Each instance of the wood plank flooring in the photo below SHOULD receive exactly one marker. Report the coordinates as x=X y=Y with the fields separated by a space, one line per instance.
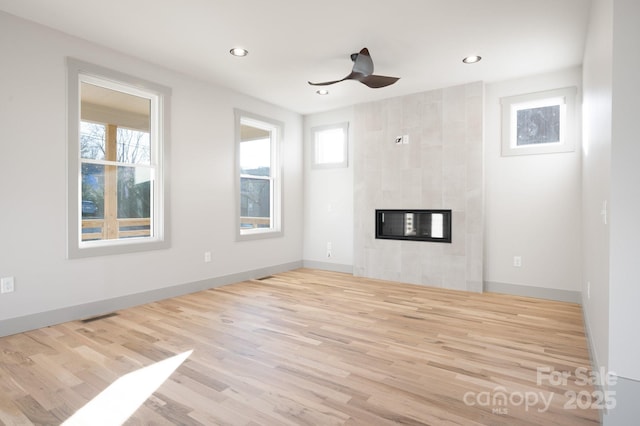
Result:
x=310 y=347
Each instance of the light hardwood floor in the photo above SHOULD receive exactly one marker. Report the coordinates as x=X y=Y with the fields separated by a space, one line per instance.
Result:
x=310 y=347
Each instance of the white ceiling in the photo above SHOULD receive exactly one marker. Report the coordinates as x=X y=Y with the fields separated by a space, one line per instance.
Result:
x=293 y=41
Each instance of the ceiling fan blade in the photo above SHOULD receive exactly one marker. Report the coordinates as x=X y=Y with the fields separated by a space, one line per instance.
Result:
x=378 y=81
x=352 y=76
x=326 y=83
x=362 y=63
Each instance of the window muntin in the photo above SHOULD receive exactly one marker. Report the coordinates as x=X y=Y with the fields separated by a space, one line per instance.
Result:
x=329 y=146
x=116 y=144
x=539 y=123
x=259 y=204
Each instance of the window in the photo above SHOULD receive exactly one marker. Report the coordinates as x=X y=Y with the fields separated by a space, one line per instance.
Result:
x=329 y=146
x=117 y=138
x=539 y=123
x=259 y=186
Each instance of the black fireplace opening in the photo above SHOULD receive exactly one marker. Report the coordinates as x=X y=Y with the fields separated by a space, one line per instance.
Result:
x=415 y=225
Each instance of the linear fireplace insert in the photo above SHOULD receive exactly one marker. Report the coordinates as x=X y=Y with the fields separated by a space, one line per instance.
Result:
x=417 y=225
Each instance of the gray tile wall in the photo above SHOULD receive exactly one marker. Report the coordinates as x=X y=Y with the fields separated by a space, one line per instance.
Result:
x=440 y=168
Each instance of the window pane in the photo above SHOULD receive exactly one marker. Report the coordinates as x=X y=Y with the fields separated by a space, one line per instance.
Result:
x=538 y=125
x=134 y=202
x=92 y=203
x=134 y=192
x=255 y=203
x=133 y=206
x=134 y=146
x=255 y=157
x=330 y=146
x=92 y=140
x=92 y=191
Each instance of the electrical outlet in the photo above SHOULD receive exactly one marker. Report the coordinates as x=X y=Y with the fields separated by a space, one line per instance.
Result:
x=329 y=249
x=6 y=285
x=517 y=261
x=207 y=256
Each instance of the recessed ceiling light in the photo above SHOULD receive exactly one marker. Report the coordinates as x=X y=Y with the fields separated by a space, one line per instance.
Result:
x=239 y=51
x=472 y=59
x=322 y=92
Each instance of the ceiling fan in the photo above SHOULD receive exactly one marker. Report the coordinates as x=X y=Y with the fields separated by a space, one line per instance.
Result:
x=363 y=72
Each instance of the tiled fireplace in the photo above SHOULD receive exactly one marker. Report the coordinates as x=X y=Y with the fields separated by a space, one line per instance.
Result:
x=440 y=168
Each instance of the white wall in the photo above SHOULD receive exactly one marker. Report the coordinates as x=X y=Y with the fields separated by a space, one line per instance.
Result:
x=597 y=81
x=328 y=207
x=611 y=174
x=532 y=202
x=624 y=287
x=201 y=181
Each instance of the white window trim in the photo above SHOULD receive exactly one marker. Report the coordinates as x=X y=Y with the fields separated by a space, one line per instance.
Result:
x=565 y=97
x=276 y=211
x=314 y=140
x=78 y=71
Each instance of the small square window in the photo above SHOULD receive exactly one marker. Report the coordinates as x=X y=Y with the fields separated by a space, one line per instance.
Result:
x=539 y=123
x=329 y=146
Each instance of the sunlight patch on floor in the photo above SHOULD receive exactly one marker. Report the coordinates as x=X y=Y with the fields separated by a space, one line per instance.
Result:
x=115 y=404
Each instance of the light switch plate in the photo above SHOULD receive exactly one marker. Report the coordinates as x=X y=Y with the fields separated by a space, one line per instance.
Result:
x=6 y=285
